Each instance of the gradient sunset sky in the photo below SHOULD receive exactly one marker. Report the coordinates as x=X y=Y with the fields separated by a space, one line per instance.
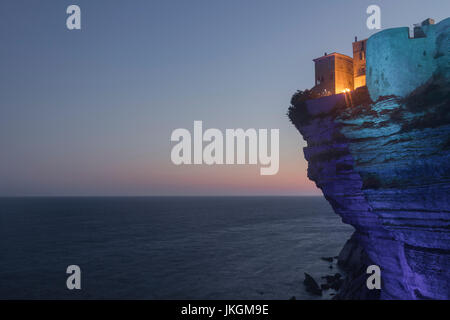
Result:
x=91 y=112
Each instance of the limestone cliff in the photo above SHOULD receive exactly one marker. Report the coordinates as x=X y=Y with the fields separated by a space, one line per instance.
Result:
x=381 y=156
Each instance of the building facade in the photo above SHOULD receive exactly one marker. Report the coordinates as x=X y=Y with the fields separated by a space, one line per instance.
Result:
x=393 y=57
x=359 y=63
x=334 y=74
x=397 y=63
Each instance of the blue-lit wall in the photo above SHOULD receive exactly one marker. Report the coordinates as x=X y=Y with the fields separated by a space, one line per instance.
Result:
x=398 y=64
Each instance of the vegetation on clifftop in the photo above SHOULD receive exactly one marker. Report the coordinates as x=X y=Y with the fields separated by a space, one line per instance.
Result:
x=297 y=112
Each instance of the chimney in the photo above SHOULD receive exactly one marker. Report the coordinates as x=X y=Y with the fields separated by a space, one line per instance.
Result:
x=356 y=39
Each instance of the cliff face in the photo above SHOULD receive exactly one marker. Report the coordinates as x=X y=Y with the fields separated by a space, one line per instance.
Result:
x=384 y=166
x=385 y=169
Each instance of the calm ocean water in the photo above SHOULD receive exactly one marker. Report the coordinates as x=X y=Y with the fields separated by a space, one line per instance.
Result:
x=166 y=247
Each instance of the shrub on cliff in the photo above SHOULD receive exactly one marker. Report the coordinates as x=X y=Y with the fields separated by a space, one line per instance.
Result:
x=301 y=96
x=432 y=92
x=433 y=98
x=297 y=112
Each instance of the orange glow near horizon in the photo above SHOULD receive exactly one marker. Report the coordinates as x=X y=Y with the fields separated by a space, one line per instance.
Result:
x=214 y=180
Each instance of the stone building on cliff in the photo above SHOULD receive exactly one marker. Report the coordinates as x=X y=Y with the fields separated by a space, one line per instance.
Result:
x=334 y=74
x=398 y=63
x=383 y=59
x=359 y=63
x=337 y=73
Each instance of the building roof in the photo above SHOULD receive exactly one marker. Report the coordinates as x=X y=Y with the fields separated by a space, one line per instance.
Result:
x=334 y=54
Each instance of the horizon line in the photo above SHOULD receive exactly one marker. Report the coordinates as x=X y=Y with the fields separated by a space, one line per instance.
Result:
x=160 y=196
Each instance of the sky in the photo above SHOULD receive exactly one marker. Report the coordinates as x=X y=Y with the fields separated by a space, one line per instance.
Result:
x=91 y=112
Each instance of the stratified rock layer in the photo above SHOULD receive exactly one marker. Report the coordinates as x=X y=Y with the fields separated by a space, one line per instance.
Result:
x=384 y=167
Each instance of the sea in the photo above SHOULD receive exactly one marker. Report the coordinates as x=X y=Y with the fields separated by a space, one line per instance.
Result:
x=167 y=247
